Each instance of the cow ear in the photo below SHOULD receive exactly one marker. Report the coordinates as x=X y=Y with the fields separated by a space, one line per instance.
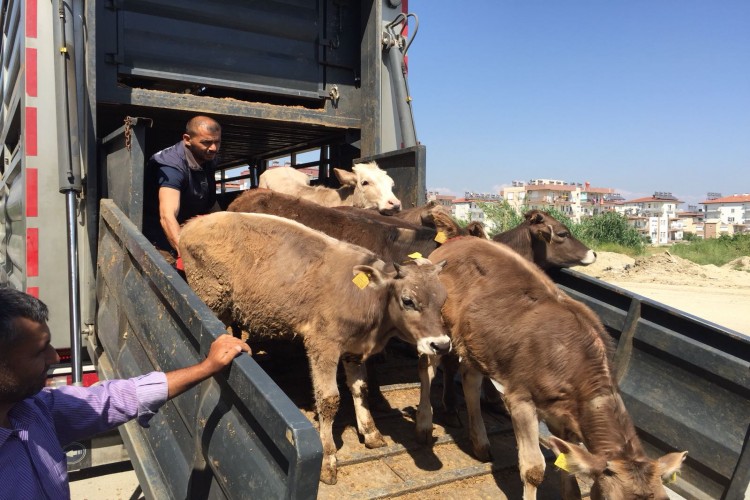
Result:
x=345 y=177
x=669 y=465
x=446 y=224
x=440 y=265
x=534 y=217
x=476 y=229
x=575 y=459
x=375 y=278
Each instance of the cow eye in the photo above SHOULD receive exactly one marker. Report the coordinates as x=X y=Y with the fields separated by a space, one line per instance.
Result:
x=365 y=183
x=564 y=234
x=408 y=303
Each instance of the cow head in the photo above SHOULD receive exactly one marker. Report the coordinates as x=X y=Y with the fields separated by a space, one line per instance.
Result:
x=554 y=245
x=630 y=476
x=415 y=299
x=451 y=229
x=373 y=188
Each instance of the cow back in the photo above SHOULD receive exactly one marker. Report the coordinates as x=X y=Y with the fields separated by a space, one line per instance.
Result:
x=391 y=239
x=513 y=322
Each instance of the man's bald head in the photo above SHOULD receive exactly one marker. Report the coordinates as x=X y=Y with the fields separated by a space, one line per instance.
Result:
x=200 y=123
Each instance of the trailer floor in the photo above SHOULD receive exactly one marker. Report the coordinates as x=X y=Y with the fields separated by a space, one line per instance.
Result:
x=404 y=468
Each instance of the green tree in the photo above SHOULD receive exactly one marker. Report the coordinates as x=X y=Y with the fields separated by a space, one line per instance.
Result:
x=503 y=215
x=611 y=227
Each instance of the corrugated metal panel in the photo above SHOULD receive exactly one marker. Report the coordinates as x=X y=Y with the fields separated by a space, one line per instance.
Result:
x=262 y=46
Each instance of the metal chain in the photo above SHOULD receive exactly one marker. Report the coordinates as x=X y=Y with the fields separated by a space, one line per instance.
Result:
x=127 y=132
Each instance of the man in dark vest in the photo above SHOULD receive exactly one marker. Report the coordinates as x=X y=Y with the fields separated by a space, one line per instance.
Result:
x=180 y=184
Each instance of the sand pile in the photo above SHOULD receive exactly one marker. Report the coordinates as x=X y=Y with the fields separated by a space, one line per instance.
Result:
x=668 y=269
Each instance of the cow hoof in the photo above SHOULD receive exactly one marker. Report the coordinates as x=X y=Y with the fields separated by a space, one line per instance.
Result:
x=328 y=474
x=374 y=440
x=425 y=436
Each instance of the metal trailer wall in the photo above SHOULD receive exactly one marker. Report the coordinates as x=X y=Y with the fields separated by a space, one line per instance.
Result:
x=33 y=211
x=280 y=77
x=685 y=382
x=237 y=436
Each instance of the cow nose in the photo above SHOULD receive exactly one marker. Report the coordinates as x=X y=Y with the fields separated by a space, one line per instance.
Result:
x=441 y=346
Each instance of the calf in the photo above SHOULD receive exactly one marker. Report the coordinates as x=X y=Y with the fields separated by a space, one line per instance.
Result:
x=366 y=186
x=275 y=277
x=391 y=239
x=550 y=354
x=546 y=241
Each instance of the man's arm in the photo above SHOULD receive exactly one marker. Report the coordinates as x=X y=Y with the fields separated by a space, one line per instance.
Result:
x=169 y=207
x=223 y=350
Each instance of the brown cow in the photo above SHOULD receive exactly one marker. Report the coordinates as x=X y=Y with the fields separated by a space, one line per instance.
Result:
x=551 y=355
x=276 y=277
x=389 y=238
x=366 y=186
x=547 y=242
x=422 y=214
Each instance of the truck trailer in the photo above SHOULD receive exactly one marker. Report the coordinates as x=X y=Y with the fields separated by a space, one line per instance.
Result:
x=90 y=90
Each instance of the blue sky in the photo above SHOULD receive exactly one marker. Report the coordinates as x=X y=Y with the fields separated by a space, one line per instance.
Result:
x=637 y=95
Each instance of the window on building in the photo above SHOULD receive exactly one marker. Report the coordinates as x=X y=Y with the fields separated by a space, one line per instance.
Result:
x=730 y=219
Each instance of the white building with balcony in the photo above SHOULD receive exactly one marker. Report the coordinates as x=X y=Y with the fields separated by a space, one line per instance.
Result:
x=729 y=210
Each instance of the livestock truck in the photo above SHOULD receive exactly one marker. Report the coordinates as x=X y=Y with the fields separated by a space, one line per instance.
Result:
x=91 y=89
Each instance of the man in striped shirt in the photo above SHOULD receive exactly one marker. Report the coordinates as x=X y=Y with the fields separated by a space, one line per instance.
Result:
x=35 y=422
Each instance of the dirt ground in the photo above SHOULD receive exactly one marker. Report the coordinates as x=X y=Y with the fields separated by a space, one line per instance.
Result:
x=717 y=294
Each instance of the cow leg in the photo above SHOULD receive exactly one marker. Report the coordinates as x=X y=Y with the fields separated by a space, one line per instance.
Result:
x=472 y=383
x=375 y=395
x=323 y=373
x=450 y=405
x=355 y=379
x=427 y=366
x=526 y=428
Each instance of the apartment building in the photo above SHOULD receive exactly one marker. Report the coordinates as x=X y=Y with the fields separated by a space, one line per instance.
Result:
x=655 y=217
x=729 y=214
x=469 y=208
x=576 y=200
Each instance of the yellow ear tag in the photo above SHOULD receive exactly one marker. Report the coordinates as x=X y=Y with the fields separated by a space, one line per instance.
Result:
x=415 y=255
x=673 y=477
x=440 y=237
x=361 y=280
x=562 y=462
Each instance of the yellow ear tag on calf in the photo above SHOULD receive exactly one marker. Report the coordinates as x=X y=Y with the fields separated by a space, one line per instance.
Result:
x=440 y=237
x=672 y=478
x=361 y=280
x=562 y=462
x=415 y=255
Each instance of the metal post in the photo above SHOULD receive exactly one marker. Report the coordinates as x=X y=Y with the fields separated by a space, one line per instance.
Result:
x=69 y=168
x=395 y=64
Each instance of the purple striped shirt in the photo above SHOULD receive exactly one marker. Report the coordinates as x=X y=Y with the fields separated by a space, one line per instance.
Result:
x=32 y=461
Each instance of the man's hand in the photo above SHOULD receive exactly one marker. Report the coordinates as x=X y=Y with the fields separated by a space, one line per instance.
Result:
x=223 y=350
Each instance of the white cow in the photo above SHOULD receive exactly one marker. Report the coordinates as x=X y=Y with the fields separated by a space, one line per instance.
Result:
x=366 y=186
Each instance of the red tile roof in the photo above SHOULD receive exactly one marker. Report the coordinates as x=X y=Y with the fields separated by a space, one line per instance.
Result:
x=735 y=198
x=652 y=199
